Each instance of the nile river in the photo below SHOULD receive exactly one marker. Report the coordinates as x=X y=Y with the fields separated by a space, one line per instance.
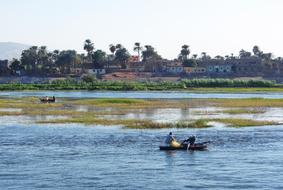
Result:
x=73 y=156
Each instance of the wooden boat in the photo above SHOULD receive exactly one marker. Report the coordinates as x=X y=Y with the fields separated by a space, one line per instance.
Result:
x=47 y=99
x=196 y=146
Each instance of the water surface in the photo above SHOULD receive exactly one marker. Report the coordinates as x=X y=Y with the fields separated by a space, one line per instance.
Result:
x=79 y=157
x=139 y=94
x=72 y=156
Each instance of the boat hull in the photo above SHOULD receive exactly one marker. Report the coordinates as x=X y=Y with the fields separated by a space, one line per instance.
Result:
x=45 y=100
x=199 y=146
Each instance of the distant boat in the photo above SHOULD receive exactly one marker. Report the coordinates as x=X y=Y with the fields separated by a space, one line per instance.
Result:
x=47 y=99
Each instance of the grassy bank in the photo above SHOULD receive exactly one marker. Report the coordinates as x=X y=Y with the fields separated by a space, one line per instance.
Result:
x=243 y=122
x=214 y=85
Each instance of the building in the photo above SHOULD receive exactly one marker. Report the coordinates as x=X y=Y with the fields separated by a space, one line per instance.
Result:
x=76 y=71
x=134 y=58
x=135 y=66
x=173 y=67
x=195 y=70
x=96 y=71
x=250 y=66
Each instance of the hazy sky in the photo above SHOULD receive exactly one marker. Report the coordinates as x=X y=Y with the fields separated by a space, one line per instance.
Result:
x=214 y=26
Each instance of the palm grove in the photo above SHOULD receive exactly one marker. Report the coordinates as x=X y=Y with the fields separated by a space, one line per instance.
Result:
x=38 y=61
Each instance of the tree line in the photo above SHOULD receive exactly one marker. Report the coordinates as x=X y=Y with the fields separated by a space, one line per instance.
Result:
x=39 y=61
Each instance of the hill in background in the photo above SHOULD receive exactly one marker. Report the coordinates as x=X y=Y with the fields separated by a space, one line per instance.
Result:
x=10 y=50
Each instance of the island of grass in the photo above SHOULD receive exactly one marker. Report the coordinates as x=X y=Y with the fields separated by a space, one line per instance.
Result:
x=97 y=109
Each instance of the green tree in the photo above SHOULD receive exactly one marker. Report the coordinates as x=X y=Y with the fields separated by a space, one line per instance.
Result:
x=257 y=51
x=219 y=57
x=15 y=65
x=67 y=59
x=44 y=60
x=149 y=53
x=112 y=48
x=204 y=56
x=99 y=58
x=243 y=53
x=29 y=60
x=266 y=56
x=121 y=55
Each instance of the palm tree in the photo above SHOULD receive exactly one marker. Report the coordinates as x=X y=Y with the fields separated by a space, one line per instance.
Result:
x=257 y=51
x=185 y=52
x=138 y=48
x=119 y=46
x=89 y=47
x=244 y=53
x=219 y=57
x=203 y=55
x=112 y=48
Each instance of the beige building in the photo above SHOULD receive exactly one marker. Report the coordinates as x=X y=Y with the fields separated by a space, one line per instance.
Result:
x=194 y=70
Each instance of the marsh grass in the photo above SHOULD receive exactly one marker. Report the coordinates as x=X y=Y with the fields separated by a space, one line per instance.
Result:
x=236 y=90
x=243 y=122
x=250 y=102
x=119 y=106
x=243 y=111
x=129 y=123
x=133 y=103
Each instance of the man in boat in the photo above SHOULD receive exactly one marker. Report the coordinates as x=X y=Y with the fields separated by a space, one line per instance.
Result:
x=191 y=140
x=171 y=141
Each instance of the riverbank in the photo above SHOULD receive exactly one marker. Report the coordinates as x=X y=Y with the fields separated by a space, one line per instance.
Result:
x=195 y=85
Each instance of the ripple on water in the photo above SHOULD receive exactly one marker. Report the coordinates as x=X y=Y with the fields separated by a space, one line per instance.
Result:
x=78 y=157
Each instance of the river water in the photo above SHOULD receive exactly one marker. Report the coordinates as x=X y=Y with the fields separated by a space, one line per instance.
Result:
x=74 y=156
x=138 y=94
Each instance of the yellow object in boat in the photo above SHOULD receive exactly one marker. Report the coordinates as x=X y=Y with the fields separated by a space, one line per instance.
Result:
x=175 y=144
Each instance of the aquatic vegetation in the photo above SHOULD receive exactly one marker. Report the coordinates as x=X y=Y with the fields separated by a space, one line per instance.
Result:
x=227 y=83
x=248 y=103
x=108 y=101
x=97 y=110
x=243 y=122
x=243 y=111
x=128 y=103
x=181 y=124
x=130 y=123
x=186 y=84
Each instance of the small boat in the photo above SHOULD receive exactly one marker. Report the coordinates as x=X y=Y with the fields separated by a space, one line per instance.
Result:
x=196 y=146
x=47 y=99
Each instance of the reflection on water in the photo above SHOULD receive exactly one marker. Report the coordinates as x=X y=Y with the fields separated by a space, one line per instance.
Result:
x=10 y=109
x=175 y=114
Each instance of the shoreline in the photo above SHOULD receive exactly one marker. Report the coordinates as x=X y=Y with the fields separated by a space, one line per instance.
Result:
x=239 y=90
x=216 y=85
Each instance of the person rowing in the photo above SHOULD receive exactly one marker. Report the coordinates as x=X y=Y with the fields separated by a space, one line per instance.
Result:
x=191 y=140
x=171 y=141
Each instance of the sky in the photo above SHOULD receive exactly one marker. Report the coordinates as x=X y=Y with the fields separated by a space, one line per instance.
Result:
x=218 y=27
